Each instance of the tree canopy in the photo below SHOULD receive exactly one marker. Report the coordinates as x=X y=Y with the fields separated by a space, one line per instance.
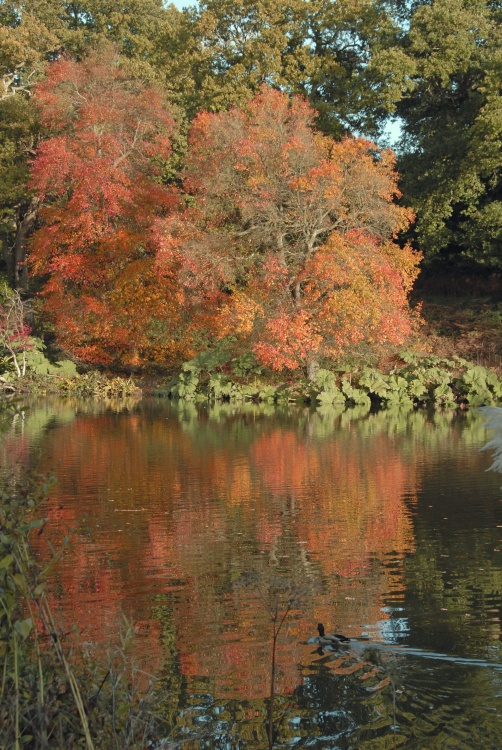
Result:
x=290 y=236
x=435 y=66
x=324 y=51
x=278 y=236
x=452 y=115
x=98 y=178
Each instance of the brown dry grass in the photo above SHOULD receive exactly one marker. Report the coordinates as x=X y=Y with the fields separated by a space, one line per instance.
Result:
x=463 y=316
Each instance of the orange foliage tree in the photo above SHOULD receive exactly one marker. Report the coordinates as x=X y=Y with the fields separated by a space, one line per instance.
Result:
x=291 y=235
x=99 y=178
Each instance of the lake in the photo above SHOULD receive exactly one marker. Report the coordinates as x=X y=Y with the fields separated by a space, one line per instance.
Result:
x=195 y=521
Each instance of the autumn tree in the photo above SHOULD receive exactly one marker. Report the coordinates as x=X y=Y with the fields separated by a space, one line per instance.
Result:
x=32 y=32
x=290 y=237
x=99 y=178
x=435 y=64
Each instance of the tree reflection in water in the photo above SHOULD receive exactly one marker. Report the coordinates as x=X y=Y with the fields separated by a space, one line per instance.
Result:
x=388 y=521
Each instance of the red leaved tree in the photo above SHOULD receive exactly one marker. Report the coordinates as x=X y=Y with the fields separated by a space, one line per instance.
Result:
x=98 y=176
x=291 y=235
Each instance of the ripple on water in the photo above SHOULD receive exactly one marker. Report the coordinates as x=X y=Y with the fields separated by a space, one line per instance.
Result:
x=186 y=520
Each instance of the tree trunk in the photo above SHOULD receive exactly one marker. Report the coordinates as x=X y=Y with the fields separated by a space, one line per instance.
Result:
x=7 y=256
x=312 y=368
x=25 y=221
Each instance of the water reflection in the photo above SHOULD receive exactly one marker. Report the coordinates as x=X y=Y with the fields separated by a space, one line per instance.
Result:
x=388 y=523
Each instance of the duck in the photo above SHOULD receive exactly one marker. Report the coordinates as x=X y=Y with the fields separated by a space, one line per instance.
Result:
x=335 y=636
x=331 y=642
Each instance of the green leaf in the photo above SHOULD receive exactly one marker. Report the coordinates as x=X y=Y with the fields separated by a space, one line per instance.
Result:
x=325 y=379
x=409 y=357
x=23 y=627
x=6 y=561
x=37 y=523
x=417 y=388
x=330 y=396
x=20 y=581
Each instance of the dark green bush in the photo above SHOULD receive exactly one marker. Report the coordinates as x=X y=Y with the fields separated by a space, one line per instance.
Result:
x=417 y=380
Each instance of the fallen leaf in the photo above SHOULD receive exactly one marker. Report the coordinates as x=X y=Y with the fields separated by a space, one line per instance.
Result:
x=349 y=670
x=383 y=683
x=372 y=673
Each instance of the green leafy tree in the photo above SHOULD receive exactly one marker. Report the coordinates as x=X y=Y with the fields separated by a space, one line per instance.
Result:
x=336 y=55
x=28 y=35
x=452 y=114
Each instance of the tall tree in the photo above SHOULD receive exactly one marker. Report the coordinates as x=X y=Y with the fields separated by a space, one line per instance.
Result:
x=338 y=55
x=452 y=117
x=290 y=237
x=27 y=36
x=98 y=177
x=33 y=32
x=132 y=26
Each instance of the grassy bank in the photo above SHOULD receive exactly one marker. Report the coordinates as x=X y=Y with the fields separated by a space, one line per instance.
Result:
x=456 y=360
x=409 y=380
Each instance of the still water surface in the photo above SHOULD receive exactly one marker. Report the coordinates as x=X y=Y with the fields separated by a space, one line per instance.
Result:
x=187 y=519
